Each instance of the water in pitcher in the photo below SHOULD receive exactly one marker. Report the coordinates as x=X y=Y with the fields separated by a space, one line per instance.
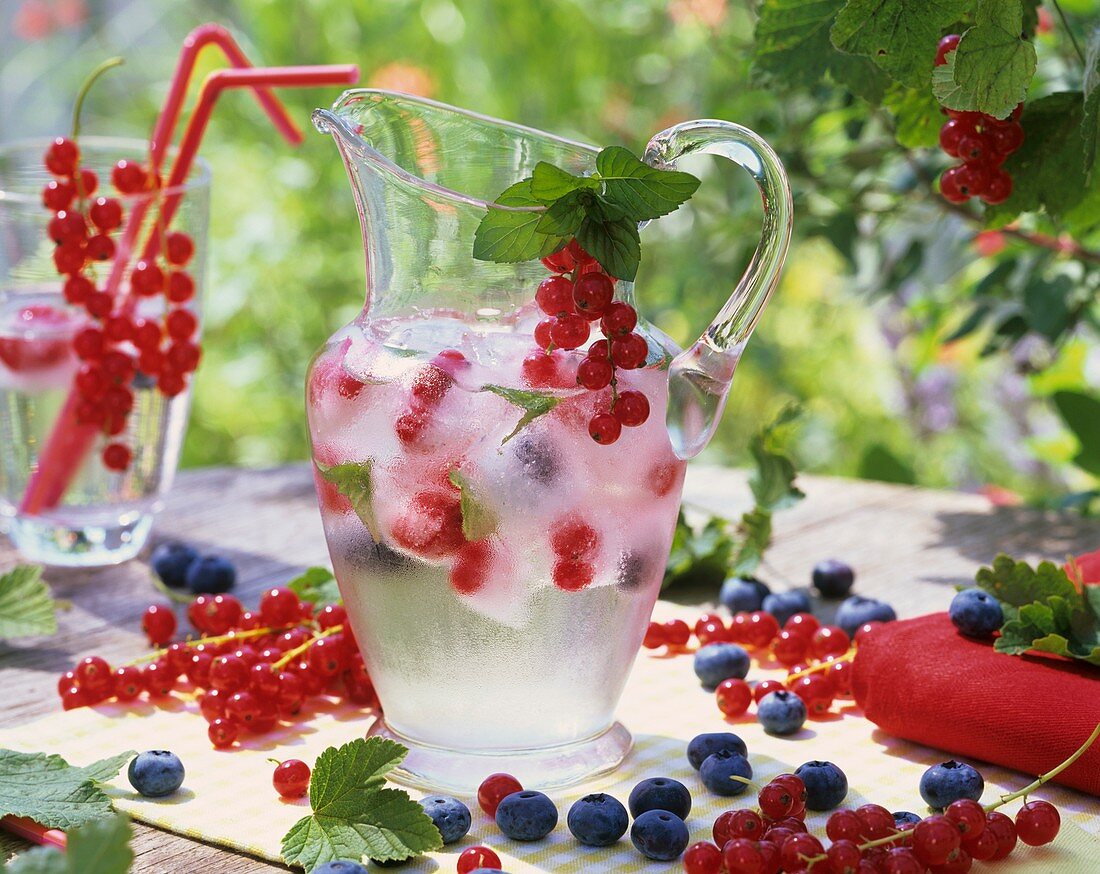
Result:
x=565 y=542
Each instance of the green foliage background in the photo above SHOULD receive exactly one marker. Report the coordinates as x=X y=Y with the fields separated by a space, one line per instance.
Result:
x=881 y=274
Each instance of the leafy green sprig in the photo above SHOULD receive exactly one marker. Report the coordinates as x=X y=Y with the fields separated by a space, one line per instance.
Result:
x=602 y=211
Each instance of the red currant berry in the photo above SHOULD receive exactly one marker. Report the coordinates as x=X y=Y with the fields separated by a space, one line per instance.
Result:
x=100 y=247
x=69 y=257
x=243 y=708
x=632 y=408
x=999 y=187
x=330 y=616
x=159 y=624
x=147 y=334
x=327 y=656
x=90 y=381
x=877 y=821
x=733 y=696
x=949 y=186
x=539 y=370
x=629 y=352
x=67 y=226
x=198 y=671
x=595 y=373
x=948 y=44
x=804 y=624
x=677 y=632
x=974 y=147
x=170 y=383
x=181 y=287
x=846 y=825
x=560 y=262
x=128 y=177
x=74 y=697
x=105 y=213
x=581 y=258
x=865 y=629
x=840 y=678
x=262 y=680
x=982 y=846
x=742 y=856
x=181 y=324
x=619 y=319
x=745 y=824
x=87 y=183
x=126 y=682
x=843 y=857
x=789 y=647
x=228 y=673
x=77 y=288
x=473 y=858
x=974 y=177
x=1003 y=830
x=573 y=537
x=656 y=636
x=62 y=157
x=761 y=629
x=766 y=687
x=935 y=839
x=291 y=778
x=569 y=331
x=118 y=329
x=222 y=733
x=702 y=858
x=968 y=816
x=494 y=789
x=118 y=399
x=279 y=607
x=555 y=296
x=712 y=631
x=147 y=279
x=117 y=457
x=159 y=679
x=775 y=800
x=542 y=334
x=183 y=356
x=58 y=194
x=572 y=575
x=98 y=304
x=830 y=640
x=797 y=848
x=901 y=860
x=1006 y=137
x=178 y=248
x=1037 y=823
x=600 y=349
x=604 y=428
x=592 y=292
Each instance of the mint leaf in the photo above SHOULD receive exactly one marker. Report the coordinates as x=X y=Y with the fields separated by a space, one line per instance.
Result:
x=644 y=192
x=478 y=519
x=316 y=585
x=550 y=183
x=1090 y=121
x=615 y=244
x=992 y=67
x=917 y=116
x=353 y=480
x=100 y=847
x=534 y=404
x=792 y=40
x=52 y=792
x=26 y=608
x=1046 y=170
x=564 y=216
x=353 y=816
x=510 y=235
x=900 y=36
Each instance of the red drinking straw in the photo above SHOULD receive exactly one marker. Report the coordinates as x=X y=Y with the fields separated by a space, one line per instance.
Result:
x=31 y=831
x=70 y=441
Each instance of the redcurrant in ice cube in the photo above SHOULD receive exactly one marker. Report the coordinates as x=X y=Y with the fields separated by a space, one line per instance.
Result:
x=573 y=537
x=291 y=778
x=591 y=295
x=572 y=575
x=619 y=319
x=181 y=287
x=58 y=194
x=595 y=373
x=604 y=428
x=432 y=526
x=1037 y=823
x=539 y=370
x=128 y=177
x=178 y=248
x=279 y=606
x=159 y=624
x=629 y=352
x=471 y=567
x=733 y=696
x=494 y=789
x=555 y=296
x=632 y=408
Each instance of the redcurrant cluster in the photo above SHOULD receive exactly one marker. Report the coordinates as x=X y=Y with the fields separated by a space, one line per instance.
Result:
x=115 y=348
x=865 y=840
x=578 y=294
x=982 y=143
x=248 y=670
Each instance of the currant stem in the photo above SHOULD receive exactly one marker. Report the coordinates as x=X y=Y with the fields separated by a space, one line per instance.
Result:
x=1069 y=32
x=866 y=845
x=221 y=638
x=1049 y=775
x=290 y=656
x=86 y=87
x=823 y=666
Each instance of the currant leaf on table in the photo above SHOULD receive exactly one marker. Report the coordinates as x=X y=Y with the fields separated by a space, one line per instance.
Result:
x=54 y=793
x=99 y=847
x=353 y=815
x=26 y=607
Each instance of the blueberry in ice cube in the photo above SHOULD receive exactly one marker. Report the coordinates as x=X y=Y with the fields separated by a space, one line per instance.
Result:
x=634 y=570
x=340 y=866
x=537 y=460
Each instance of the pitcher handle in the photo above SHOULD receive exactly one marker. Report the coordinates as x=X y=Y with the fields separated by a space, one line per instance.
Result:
x=699 y=377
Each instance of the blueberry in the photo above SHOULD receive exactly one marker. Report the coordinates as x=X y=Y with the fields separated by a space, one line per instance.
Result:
x=660 y=793
x=781 y=712
x=703 y=745
x=826 y=785
x=904 y=817
x=537 y=460
x=211 y=575
x=634 y=570
x=659 y=835
x=976 y=613
x=719 y=768
x=743 y=594
x=833 y=578
x=340 y=866
x=526 y=816
x=950 y=781
x=170 y=562
x=597 y=820
x=857 y=611
x=783 y=605
x=450 y=816
x=716 y=662
x=156 y=773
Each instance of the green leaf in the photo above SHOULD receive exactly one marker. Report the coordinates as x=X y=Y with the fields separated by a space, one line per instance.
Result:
x=755 y=530
x=1081 y=413
x=1016 y=583
x=316 y=585
x=353 y=480
x=53 y=793
x=564 y=216
x=643 y=192
x=616 y=245
x=1090 y=119
x=100 y=847
x=550 y=183
x=772 y=482
x=533 y=403
x=26 y=608
x=917 y=116
x=510 y=235
x=1046 y=170
x=792 y=40
x=993 y=65
x=860 y=76
x=700 y=557
x=478 y=519
x=900 y=36
x=353 y=816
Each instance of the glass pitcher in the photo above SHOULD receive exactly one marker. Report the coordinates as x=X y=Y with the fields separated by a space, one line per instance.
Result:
x=497 y=564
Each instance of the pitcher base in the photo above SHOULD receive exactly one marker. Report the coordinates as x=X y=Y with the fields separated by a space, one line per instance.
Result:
x=462 y=771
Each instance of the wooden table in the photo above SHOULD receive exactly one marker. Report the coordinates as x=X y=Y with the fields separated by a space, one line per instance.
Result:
x=909 y=546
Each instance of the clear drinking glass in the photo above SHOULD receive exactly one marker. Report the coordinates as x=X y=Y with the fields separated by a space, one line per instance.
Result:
x=59 y=502
x=447 y=512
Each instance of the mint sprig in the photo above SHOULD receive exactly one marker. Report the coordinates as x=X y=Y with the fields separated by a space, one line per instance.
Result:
x=478 y=518
x=602 y=211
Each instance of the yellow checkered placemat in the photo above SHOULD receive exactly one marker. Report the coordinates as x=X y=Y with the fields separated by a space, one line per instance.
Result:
x=228 y=799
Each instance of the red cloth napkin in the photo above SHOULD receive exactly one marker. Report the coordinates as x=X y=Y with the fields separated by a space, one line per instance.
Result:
x=921 y=680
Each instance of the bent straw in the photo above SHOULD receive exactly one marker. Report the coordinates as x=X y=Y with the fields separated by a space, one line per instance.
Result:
x=70 y=441
x=31 y=831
